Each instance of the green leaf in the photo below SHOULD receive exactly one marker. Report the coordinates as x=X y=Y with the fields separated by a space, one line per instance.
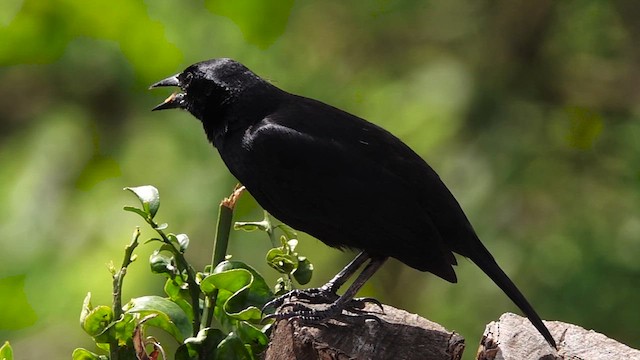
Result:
x=304 y=271
x=78 y=354
x=136 y=210
x=170 y=317
x=234 y=287
x=6 y=352
x=252 y=336
x=172 y=289
x=162 y=264
x=174 y=240
x=204 y=343
x=149 y=197
x=124 y=328
x=179 y=294
x=183 y=242
x=284 y=263
x=86 y=308
x=97 y=320
x=232 y=348
x=161 y=226
x=241 y=290
x=168 y=247
x=152 y=240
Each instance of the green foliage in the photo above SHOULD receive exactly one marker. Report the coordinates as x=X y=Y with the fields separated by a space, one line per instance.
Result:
x=284 y=259
x=261 y=22
x=17 y=313
x=149 y=198
x=168 y=315
x=230 y=292
x=84 y=354
x=95 y=321
x=585 y=128
x=6 y=352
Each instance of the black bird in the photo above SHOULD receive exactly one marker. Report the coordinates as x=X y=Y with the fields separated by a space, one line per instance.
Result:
x=335 y=176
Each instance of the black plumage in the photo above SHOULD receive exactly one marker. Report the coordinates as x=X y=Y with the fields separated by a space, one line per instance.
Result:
x=344 y=180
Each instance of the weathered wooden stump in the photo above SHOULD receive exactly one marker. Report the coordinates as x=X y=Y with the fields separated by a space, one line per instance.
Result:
x=513 y=337
x=396 y=335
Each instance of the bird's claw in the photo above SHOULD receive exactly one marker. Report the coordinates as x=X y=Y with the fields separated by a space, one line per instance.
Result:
x=297 y=311
x=287 y=308
x=310 y=296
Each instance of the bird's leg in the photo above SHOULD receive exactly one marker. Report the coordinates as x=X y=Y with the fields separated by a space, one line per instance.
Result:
x=337 y=281
x=300 y=311
x=327 y=292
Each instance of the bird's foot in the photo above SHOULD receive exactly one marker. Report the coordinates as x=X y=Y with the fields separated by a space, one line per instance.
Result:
x=293 y=305
x=310 y=296
x=299 y=311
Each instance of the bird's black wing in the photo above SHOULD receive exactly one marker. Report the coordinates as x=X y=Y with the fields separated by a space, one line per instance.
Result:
x=345 y=181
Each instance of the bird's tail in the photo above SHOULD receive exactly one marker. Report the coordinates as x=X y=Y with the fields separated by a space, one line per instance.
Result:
x=487 y=263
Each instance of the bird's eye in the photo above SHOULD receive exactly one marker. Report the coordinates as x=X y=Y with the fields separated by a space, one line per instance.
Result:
x=187 y=80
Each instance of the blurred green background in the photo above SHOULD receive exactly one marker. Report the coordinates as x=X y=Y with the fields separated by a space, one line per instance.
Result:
x=528 y=110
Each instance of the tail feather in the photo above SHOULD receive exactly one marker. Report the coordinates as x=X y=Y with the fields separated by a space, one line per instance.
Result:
x=488 y=265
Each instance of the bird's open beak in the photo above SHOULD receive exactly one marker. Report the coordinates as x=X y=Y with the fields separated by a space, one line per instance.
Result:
x=170 y=81
x=176 y=100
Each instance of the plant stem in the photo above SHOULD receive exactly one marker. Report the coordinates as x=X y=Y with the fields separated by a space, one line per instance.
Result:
x=118 y=279
x=223 y=229
x=269 y=229
x=183 y=265
x=220 y=245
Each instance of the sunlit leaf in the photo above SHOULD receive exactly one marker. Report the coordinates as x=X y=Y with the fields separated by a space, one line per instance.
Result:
x=136 y=210
x=183 y=242
x=149 y=198
x=78 y=354
x=179 y=294
x=236 y=284
x=97 y=320
x=241 y=290
x=170 y=317
x=172 y=289
x=161 y=226
x=6 y=352
x=278 y=259
x=124 y=327
x=86 y=308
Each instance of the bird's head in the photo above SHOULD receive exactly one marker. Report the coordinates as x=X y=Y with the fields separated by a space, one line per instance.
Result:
x=207 y=87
